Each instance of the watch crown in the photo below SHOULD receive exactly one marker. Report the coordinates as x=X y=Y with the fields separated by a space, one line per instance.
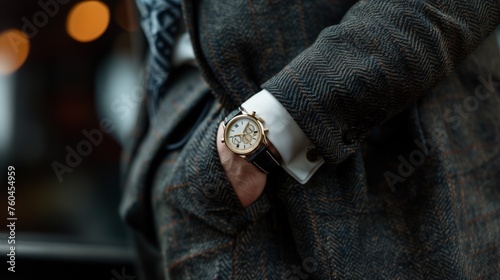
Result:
x=266 y=129
x=222 y=140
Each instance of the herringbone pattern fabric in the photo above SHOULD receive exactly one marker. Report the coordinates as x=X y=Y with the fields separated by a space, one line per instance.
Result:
x=380 y=87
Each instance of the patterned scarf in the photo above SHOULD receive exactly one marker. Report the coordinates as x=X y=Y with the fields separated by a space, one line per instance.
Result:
x=160 y=22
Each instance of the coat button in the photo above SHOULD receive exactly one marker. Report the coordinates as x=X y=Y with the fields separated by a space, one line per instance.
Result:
x=379 y=115
x=366 y=123
x=312 y=154
x=210 y=191
x=351 y=135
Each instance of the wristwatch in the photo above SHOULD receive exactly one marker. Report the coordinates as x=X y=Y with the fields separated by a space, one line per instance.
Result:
x=245 y=135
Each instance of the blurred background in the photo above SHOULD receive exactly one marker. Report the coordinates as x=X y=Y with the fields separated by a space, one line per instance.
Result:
x=69 y=91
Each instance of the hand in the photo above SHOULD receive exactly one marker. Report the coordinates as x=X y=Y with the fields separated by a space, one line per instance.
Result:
x=248 y=182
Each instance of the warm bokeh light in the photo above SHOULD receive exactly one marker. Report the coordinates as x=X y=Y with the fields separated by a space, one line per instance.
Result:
x=87 y=20
x=14 y=49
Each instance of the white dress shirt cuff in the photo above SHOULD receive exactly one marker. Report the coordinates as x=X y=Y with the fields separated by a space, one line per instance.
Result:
x=284 y=133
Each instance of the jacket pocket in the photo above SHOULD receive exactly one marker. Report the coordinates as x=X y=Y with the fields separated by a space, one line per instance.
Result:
x=199 y=185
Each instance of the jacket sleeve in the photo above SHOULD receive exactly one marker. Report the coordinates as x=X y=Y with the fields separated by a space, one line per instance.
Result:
x=377 y=61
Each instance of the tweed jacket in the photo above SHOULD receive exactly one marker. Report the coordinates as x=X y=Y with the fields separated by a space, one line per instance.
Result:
x=401 y=98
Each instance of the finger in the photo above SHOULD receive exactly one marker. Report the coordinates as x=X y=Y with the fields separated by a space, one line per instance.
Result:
x=247 y=181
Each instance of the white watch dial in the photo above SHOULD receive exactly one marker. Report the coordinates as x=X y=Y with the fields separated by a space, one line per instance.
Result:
x=242 y=134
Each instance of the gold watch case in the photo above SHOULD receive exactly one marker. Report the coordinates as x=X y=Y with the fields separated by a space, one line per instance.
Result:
x=259 y=139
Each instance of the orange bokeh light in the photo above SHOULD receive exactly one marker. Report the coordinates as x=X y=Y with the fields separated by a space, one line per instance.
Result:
x=14 y=50
x=87 y=21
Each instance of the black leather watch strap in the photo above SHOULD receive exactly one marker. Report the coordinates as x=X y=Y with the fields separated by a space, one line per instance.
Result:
x=232 y=114
x=264 y=159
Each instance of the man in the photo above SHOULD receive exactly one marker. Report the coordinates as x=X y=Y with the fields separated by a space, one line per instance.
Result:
x=376 y=151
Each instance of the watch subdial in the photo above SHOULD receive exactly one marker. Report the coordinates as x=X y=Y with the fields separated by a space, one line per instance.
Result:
x=236 y=140
x=250 y=129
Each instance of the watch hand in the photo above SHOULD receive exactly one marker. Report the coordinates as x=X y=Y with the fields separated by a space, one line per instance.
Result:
x=246 y=126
